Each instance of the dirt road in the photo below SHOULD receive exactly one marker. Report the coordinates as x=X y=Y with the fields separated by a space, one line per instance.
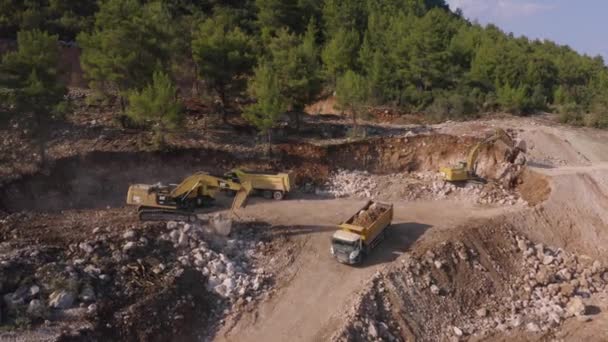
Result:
x=309 y=306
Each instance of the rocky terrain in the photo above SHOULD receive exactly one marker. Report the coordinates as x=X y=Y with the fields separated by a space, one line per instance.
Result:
x=519 y=256
x=102 y=286
x=523 y=286
x=415 y=186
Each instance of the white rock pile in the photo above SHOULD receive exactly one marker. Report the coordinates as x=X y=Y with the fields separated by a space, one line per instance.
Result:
x=345 y=183
x=556 y=285
x=424 y=185
x=229 y=271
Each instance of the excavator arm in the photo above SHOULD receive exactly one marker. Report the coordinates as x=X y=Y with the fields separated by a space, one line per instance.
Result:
x=211 y=184
x=499 y=135
x=241 y=195
x=472 y=158
x=466 y=171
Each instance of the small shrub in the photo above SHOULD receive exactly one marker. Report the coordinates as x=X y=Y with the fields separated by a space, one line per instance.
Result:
x=570 y=113
x=512 y=99
x=455 y=106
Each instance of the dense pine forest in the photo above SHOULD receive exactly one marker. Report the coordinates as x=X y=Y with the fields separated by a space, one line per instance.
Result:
x=417 y=56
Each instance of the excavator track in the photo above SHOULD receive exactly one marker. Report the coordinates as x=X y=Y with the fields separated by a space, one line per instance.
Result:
x=155 y=214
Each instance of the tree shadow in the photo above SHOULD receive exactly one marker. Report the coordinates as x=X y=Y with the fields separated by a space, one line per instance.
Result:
x=399 y=238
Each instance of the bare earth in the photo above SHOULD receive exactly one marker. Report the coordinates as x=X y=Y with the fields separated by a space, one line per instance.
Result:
x=310 y=305
x=562 y=202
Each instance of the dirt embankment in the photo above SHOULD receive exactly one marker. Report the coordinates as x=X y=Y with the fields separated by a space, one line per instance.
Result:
x=101 y=179
x=99 y=275
x=478 y=283
x=533 y=187
x=388 y=155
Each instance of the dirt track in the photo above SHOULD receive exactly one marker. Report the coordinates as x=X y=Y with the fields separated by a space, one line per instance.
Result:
x=310 y=305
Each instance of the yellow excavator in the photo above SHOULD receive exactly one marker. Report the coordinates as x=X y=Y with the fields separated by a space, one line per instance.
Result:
x=465 y=171
x=159 y=202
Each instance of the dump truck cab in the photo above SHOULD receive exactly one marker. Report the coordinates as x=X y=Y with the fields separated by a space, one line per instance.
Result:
x=347 y=247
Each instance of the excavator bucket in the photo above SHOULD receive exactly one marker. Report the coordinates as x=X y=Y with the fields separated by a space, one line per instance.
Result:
x=241 y=195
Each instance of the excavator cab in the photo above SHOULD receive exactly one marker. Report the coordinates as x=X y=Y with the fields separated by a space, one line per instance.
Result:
x=455 y=174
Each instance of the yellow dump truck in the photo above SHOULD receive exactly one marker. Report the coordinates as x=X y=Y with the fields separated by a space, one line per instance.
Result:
x=358 y=235
x=270 y=185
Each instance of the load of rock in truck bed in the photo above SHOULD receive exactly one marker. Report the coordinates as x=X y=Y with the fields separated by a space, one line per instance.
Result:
x=367 y=216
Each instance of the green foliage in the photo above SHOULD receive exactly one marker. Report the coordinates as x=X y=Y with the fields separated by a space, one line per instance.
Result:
x=295 y=60
x=129 y=41
x=451 y=106
x=340 y=53
x=343 y=15
x=62 y=17
x=274 y=15
x=156 y=104
x=512 y=99
x=571 y=113
x=351 y=93
x=270 y=104
x=413 y=54
x=30 y=84
x=224 y=56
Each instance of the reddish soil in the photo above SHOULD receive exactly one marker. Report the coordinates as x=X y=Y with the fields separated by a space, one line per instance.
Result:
x=533 y=187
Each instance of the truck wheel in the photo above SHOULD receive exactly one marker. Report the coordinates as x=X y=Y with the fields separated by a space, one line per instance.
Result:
x=278 y=195
x=267 y=194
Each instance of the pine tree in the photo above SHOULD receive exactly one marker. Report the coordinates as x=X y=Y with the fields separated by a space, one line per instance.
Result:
x=224 y=56
x=296 y=63
x=340 y=53
x=30 y=83
x=270 y=104
x=129 y=42
x=351 y=93
x=156 y=104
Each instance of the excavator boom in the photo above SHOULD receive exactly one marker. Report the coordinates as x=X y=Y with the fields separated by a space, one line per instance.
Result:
x=467 y=171
x=241 y=195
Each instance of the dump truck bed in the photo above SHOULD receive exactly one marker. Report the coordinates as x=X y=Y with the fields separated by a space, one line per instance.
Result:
x=369 y=221
x=283 y=181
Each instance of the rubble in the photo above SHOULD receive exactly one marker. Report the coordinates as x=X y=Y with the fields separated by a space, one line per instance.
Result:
x=366 y=217
x=549 y=285
x=228 y=278
x=415 y=186
x=345 y=183
x=576 y=307
x=136 y=265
